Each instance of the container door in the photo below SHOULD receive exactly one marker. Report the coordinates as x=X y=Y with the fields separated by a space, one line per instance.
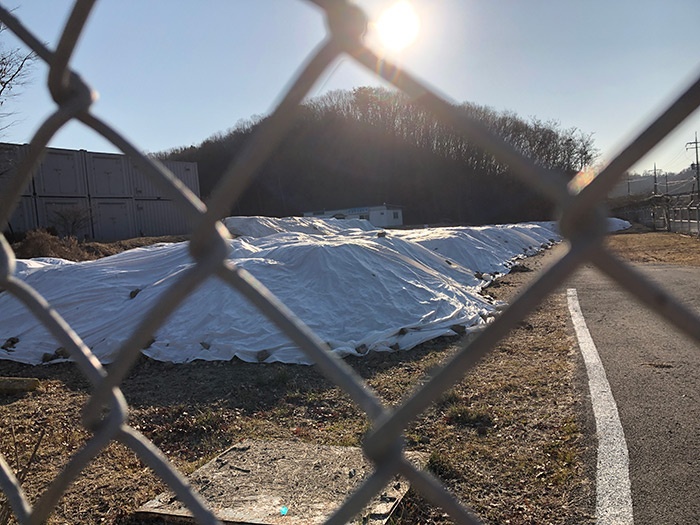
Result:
x=61 y=174
x=113 y=220
x=108 y=175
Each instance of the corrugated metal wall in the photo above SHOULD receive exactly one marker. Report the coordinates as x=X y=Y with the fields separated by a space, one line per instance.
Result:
x=62 y=174
x=68 y=215
x=9 y=157
x=95 y=195
x=24 y=218
x=114 y=219
x=143 y=188
x=153 y=217
x=108 y=175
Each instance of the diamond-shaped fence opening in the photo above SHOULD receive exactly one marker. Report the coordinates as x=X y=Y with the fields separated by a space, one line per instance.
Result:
x=582 y=223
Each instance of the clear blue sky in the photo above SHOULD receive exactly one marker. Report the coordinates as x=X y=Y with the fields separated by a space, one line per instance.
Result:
x=172 y=73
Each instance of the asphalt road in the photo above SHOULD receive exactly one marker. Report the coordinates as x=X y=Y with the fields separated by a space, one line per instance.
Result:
x=654 y=375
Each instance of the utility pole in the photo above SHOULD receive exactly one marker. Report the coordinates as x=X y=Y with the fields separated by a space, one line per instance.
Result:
x=697 y=181
x=697 y=162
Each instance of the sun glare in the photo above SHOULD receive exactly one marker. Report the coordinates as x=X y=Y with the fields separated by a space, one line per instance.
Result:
x=398 y=26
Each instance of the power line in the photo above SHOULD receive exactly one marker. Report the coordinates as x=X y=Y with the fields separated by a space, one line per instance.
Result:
x=680 y=157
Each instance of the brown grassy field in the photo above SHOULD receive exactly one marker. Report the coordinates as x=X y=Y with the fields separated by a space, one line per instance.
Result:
x=511 y=440
x=656 y=247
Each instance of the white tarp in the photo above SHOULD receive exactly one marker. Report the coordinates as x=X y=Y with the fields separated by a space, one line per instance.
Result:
x=358 y=287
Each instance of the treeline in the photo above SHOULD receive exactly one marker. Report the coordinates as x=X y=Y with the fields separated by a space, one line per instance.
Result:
x=371 y=146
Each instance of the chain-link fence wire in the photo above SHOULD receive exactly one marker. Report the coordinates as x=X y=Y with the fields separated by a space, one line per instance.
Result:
x=582 y=223
x=683 y=214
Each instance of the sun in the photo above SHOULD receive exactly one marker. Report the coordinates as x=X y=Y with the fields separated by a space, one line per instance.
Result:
x=398 y=26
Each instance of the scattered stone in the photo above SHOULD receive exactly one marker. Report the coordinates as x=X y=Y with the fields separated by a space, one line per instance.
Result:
x=262 y=355
x=381 y=234
x=133 y=293
x=362 y=349
x=205 y=345
x=458 y=329
x=59 y=353
x=9 y=345
x=47 y=357
x=519 y=267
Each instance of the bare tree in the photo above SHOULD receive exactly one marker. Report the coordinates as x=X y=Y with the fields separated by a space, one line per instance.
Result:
x=70 y=221
x=15 y=70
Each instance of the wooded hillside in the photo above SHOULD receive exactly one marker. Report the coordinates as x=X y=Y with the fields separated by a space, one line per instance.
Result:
x=371 y=146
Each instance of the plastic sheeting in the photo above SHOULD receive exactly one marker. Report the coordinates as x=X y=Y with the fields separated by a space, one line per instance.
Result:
x=359 y=288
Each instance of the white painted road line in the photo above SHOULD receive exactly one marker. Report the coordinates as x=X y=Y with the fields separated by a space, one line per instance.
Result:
x=613 y=493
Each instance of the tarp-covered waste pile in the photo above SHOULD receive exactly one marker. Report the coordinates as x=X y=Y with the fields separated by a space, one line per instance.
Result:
x=358 y=287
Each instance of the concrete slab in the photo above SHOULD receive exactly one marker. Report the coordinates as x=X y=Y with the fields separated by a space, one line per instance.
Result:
x=282 y=482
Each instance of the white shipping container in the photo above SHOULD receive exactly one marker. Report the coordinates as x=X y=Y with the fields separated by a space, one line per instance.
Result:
x=186 y=172
x=10 y=155
x=108 y=175
x=381 y=216
x=24 y=217
x=144 y=187
x=113 y=219
x=159 y=217
x=61 y=174
x=69 y=215
x=386 y=218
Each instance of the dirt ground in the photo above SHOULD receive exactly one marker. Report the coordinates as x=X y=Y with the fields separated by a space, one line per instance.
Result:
x=509 y=440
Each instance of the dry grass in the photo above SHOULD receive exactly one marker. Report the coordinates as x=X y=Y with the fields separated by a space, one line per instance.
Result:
x=657 y=247
x=40 y=243
x=510 y=440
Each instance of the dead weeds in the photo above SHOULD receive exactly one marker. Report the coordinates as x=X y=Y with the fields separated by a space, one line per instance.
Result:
x=510 y=440
x=656 y=247
x=40 y=243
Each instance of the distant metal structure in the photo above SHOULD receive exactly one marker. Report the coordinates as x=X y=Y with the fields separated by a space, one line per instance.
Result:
x=682 y=214
x=101 y=196
x=383 y=216
x=581 y=203
x=673 y=213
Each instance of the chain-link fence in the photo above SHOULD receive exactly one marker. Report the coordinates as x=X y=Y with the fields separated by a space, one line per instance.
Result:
x=683 y=214
x=673 y=213
x=582 y=222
